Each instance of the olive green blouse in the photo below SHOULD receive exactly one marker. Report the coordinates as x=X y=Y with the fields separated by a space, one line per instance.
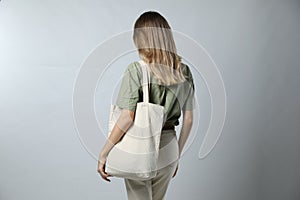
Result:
x=174 y=97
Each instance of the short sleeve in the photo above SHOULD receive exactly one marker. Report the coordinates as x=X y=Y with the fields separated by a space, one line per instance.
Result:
x=130 y=89
x=189 y=103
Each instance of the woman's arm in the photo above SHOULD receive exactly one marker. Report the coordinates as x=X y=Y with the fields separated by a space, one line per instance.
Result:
x=124 y=122
x=185 y=130
x=184 y=133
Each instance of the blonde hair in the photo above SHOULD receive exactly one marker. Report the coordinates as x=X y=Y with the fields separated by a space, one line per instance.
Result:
x=154 y=40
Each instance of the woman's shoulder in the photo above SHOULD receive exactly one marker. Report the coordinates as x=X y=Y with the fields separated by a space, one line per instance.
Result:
x=132 y=65
x=135 y=65
x=134 y=68
x=186 y=71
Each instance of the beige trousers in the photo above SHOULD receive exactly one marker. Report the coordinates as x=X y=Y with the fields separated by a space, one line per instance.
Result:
x=156 y=188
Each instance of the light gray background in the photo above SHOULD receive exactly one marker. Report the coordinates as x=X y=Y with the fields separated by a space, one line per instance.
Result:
x=256 y=45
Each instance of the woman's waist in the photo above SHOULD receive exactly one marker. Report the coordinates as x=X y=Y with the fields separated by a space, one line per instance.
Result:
x=168 y=126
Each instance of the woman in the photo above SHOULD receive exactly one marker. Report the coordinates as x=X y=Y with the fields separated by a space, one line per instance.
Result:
x=171 y=85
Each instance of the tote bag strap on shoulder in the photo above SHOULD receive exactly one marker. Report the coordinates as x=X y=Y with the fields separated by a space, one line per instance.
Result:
x=146 y=80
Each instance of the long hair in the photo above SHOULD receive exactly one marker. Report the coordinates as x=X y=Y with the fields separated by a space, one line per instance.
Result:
x=154 y=40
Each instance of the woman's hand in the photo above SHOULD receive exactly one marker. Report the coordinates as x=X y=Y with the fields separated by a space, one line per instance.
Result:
x=101 y=168
x=175 y=171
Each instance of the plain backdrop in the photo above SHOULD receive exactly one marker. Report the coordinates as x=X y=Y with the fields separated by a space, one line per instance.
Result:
x=255 y=44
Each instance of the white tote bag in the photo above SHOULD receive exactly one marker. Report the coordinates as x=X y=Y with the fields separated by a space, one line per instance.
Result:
x=136 y=155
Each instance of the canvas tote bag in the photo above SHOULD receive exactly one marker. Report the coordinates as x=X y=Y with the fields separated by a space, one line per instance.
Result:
x=136 y=155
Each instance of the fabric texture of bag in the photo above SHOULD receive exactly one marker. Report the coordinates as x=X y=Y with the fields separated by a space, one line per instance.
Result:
x=135 y=156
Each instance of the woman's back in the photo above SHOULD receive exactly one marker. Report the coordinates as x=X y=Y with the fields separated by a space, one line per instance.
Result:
x=174 y=98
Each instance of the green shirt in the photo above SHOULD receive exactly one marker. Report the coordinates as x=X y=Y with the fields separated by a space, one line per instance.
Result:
x=174 y=97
